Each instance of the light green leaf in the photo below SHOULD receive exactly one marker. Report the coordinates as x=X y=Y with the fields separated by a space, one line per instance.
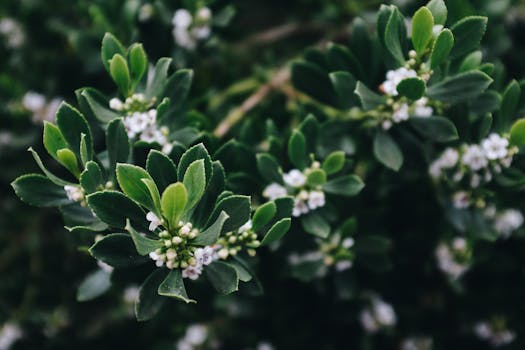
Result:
x=143 y=244
x=195 y=183
x=68 y=159
x=277 y=231
x=173 y=202
x=263 y=215
x=53 y=139
x=129 y=178
x=119 y=71
x=439 y=11
x=334 y=162
x=212 y=233
x=422 y=24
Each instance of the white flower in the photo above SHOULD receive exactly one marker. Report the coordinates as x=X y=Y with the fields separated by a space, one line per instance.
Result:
x=461 y=200
x=136 y=123
x=205 y=256
x=182 y=18
x=508 y=221
x=483 y=330
x=203 y=14
x=436 y=29
x=9 y=334
x=33 y=101
x=368 y=321
x=13 y=32
x=421 y=109
x=446 y=262
x=274 y=190
x=347 y=243
x=497 y=338
x=343 y=265
x=495 y=147
x=152 y=134
x=146 y=12
x=449 y=158
x=316 y=200
x=474 y=157
x=401 y=113
x=247 y=226
x=475 y=180
x=299 y=208
x=201 y=32
x=394 y=77
x=131 y=294
x=154 y=221
x=459 y=244
x=167 y=148
x=74 y=193
x=116 y=104
x=192 y=272
x=196 y=334
x=386 y=124
x=384 y=313
x=294 y=178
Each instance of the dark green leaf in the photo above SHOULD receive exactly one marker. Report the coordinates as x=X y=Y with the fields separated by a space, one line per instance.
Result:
x=194 y=153
x=173 y=287
x=439 y=11
x=344 y=85
x=347 y=185
x=117 y=250
x=467 y=34
x=91 y=178
x=277 y=231
x=143 y=244
x=315 y=224
x=161 y=168
x=412 y=88
x=114 y=208
x=94 y=285
x=460 y=87
x=369 y=99
x=297 y=150
x=387 y=151
x=223 y=277
x=110 y=47
x=269 y=168
x=72 y=125
x=212 y=233
x=238 y=209
x=118 y=145
x=441 y=49
x=334 y=162
x=263 y=215
x=38 y=190
x=395 y=35
x=149 y=302
x=129 y=179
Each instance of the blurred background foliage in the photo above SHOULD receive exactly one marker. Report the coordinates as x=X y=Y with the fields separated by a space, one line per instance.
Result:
x=52 y=48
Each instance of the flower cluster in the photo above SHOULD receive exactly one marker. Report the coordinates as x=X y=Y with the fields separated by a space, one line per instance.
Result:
x=306 y=197
x=189 y=29
x=377 y=316
x=42 y=109
x=75 y=193
x=334 y=252
x=13 y=33
x=506 y=221
x=474 y=163
x=495 y=332
x=233 y=242
x=454 y=258
x=141 y=120
x=194 y=338
x=9 y=334
x=417 y=343
x=400 y=109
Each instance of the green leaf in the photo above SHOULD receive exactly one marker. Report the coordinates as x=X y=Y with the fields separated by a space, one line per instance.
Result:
x=119 y=71
x=297 y=150
x=347 y=185
x=509 y=103
x=173 y=202
x=269 y=168
x=471 y=61
x=129 y=179
x=437 y=129
x=223 y=277
x=56 y=180
x=155 y=195
x=439 y=11
x=195 y=182
x=91 y=178
x=97 y=105
x=387 y=151
x=110 y=47
x=114 y=208
x=316 y=177
x=517 y=132
x=412 y=88
x=53 y=139
x=372 y=244
x=194 y=153
x=160 y=75
x=344 y=85
x=161 y=168
x=442 y=47
x=173 y=287
x=312 y=80
x=277 y=231
x=284 y=207
x=38 y=190
x=177 y=87
x=72 y=125
x=238 y=209
x=149 y=302
x=467 y=34
x=138 y=62
x=422 y=24
x=94 y=285
x=212 y=233
x=334 y=162
x=263 y=215
x=243 y=271
x=118 y=145
x=369 y=99
x=143 y=244
x=395 y=35
x=68 y=159
x=315 y=224
x=117 y=250
x=460 y=87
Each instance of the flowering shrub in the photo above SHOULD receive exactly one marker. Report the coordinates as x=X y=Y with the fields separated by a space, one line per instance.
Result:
x=376 y=178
